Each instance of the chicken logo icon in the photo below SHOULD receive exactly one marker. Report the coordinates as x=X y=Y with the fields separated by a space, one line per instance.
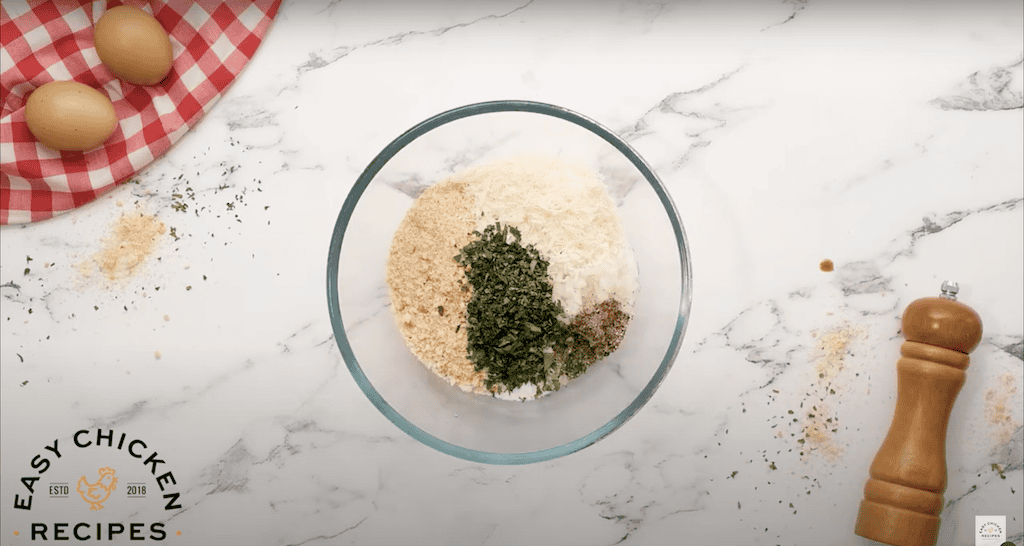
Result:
x=97 y=493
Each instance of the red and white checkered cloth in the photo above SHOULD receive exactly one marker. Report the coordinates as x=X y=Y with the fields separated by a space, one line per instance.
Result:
x=49 y=41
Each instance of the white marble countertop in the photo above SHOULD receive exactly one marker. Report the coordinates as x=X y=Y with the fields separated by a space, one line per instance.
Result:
x=885 y=137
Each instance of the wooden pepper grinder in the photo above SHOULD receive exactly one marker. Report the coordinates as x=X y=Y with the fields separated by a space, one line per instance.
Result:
x=903 y=497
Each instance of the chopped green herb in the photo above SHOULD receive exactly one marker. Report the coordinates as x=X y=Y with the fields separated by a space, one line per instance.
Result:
x=512 y=319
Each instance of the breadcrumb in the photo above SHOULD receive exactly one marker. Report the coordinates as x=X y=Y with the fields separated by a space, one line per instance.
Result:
x=423 y=278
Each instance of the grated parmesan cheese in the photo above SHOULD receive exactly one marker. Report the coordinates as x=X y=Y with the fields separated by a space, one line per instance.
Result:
x=565 y=211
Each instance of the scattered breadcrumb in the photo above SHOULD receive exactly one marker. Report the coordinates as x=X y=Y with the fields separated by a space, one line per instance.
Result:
x=157 y=355
x=826 y=265
x=820 y=423
x=831 y=349
x=131 y=239
x=999 y=410
x=167 y=317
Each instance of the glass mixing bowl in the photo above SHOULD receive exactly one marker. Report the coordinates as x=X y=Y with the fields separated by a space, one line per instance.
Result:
x=482 y=428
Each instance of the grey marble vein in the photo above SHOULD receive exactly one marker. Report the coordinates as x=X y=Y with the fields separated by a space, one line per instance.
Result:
x=798 y=6
x=699 y=121
x=316 y=62
x=996 y=88
x=945 y=221
x=1015 y=349
x=759 y=333
x=320 y=538
x=122 y=417
x=862 y=277
x=231 y=472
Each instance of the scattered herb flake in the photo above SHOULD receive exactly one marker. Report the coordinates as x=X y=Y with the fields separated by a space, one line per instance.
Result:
x=997 y=468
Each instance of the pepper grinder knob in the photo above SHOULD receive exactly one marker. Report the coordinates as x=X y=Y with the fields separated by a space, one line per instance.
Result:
x=949 y=290
x=903 y=496
x=943 y=322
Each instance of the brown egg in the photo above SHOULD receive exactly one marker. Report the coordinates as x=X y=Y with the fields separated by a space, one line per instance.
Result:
x=70 y=116
x=133 y=45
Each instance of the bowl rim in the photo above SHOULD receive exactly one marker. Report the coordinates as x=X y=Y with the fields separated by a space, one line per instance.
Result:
x=334 y=256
